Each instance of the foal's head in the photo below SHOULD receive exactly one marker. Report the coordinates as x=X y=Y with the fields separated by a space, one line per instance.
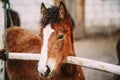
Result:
x=57 y=36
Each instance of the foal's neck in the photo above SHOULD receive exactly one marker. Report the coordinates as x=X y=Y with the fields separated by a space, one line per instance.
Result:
x=68 y=70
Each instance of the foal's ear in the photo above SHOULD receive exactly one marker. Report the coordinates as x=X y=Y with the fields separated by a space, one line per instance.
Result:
x=62 y=10
x=43 y=8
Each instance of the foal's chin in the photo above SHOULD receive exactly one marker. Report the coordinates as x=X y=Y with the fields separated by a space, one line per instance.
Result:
x=45 y=76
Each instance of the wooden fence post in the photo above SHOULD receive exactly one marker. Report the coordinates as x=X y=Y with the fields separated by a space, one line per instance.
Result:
x=79 y=17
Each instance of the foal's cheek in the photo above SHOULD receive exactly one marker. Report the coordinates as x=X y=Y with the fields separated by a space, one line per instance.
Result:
x=60 y=45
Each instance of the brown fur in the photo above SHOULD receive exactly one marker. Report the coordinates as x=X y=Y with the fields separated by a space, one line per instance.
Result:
x=20 y=40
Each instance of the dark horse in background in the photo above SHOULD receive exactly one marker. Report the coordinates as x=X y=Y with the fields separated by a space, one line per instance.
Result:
x=12 y=16
x=116 y=77
x=118 y=51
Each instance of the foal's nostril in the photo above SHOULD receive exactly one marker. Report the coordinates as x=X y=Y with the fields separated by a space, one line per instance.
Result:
x=47 y=72
x=37 y=69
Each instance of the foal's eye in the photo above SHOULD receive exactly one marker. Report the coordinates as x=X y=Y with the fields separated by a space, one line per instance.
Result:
x=60 y=36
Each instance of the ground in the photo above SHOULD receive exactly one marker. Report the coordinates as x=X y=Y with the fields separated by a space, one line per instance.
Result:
x=102 y=48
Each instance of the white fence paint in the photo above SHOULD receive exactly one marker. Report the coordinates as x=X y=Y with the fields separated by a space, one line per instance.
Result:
x=93 y=64
x=115 y=69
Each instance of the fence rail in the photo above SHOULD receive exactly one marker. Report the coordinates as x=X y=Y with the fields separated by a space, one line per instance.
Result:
x=111 y=68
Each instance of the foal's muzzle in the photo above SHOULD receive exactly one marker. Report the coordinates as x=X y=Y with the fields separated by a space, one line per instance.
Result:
x=46 y=73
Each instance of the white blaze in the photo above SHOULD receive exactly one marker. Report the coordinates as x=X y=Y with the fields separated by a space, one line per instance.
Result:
x=47 y=31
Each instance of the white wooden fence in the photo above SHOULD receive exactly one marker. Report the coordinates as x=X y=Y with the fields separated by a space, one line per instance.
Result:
x=115 y=69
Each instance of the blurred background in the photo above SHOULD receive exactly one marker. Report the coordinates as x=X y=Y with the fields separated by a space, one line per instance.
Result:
x=97 y=27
